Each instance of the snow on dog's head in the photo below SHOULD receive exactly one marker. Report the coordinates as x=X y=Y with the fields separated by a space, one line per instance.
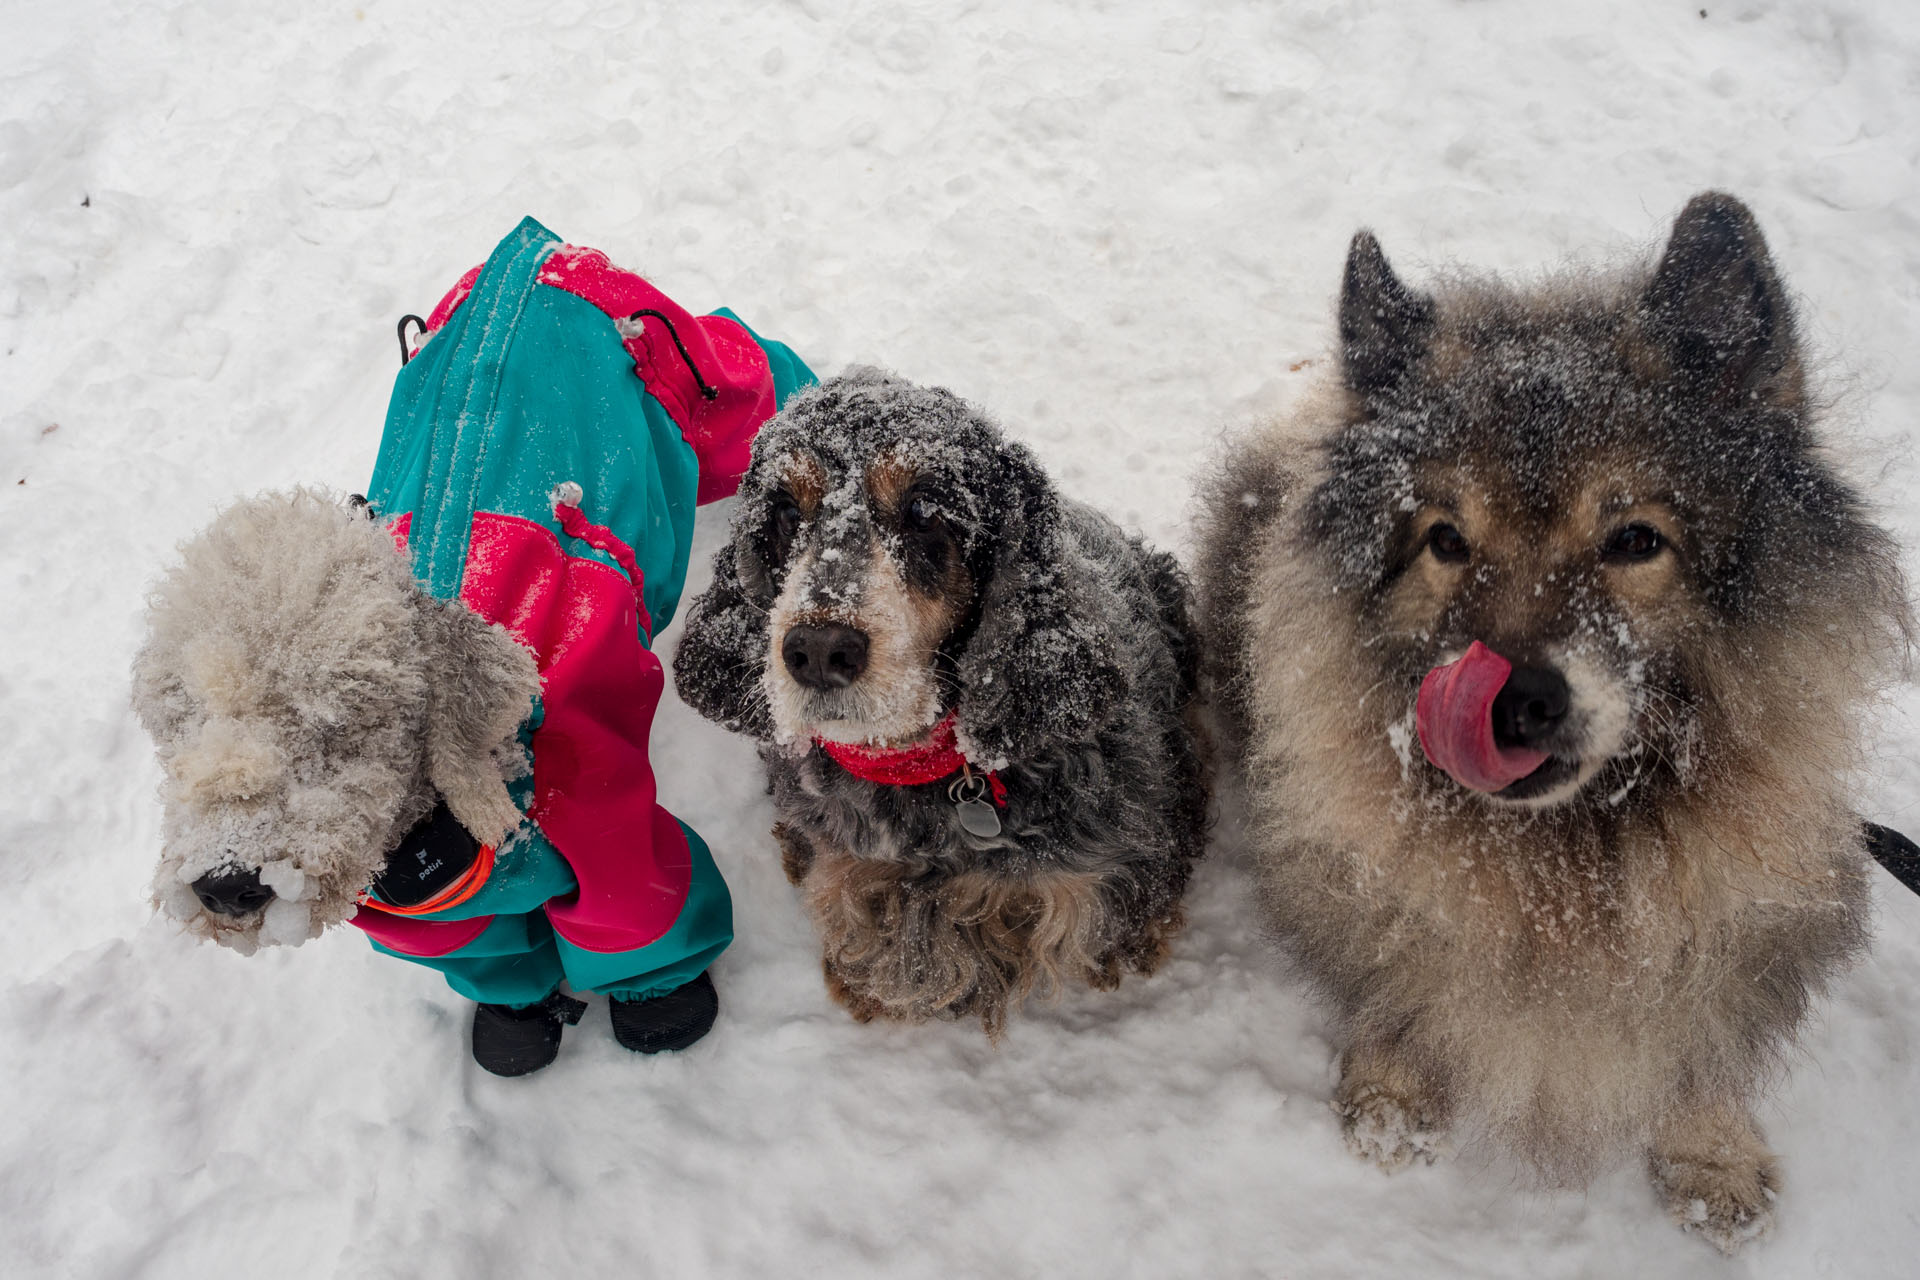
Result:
x=308 y=702
x=894 y=558
x=1611 y=487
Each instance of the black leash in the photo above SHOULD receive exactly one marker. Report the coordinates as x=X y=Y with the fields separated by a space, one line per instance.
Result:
x=1899 y=855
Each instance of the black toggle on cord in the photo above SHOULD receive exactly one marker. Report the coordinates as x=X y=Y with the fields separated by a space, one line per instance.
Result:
x=706 y=391
x=406 y=352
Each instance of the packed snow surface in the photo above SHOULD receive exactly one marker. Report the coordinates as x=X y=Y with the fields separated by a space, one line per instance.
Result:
x=1117 y=227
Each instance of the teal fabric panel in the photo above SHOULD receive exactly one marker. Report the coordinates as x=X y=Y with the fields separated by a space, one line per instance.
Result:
x=513 y=961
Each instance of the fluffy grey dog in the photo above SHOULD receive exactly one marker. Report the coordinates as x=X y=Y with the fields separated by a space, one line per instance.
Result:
x=905 y=597
x=308 y=702
x=1550 y=631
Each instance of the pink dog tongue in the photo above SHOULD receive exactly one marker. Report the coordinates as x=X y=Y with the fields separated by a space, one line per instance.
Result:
x=1454 y=715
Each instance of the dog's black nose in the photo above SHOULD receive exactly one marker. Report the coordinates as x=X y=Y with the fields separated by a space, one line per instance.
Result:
x=234 y=892
x=1530 y=706
x=829 y=657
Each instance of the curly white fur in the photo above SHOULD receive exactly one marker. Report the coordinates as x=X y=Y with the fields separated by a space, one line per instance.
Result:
x=307 y=700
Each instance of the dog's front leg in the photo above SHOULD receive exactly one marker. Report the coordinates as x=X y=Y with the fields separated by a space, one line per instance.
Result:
x=796 y=852
x=1712 y=1169
x=1389 y=1112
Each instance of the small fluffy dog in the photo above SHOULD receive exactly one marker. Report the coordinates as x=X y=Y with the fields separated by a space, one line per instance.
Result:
x=1546 y=631
x=974 y=699
x=310 y=704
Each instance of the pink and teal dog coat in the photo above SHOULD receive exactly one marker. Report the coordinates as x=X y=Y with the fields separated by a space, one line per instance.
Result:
x=543 y=455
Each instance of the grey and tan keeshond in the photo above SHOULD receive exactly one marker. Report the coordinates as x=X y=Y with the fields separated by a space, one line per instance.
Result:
x=1546 y=633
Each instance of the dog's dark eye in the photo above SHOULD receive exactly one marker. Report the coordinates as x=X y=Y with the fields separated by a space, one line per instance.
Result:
x=1447 y=544
x=783 y=521
x=929 y=541
x=1633 y=543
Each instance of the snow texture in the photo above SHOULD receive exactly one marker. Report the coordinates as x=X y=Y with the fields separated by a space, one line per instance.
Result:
x=1120 y=228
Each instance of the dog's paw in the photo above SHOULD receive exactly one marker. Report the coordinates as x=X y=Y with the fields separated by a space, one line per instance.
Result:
x=860 y=1005
x=1729 y=1202
x=1387 y=1130
x=1155 y=943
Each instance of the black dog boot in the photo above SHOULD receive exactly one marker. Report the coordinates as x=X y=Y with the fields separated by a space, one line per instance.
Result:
x=512 y=1042
x=670 y=1021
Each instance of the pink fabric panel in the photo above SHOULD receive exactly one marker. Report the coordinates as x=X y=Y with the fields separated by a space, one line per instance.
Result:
x=451 y=303
x=431 y=938
x=593 y=787
x=725 y=443
x=720 y=430
x=601 y=538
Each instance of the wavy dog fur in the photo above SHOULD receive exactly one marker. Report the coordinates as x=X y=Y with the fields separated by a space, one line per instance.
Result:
x=1065 y=649
x=1619 y=971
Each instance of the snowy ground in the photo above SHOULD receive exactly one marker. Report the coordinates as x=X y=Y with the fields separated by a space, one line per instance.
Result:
x=1120 y=228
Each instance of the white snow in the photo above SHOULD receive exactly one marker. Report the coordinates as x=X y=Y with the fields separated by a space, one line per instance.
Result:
x=1119 y=228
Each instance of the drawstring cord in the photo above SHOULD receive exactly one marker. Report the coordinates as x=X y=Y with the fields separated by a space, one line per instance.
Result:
x=407 y=352
x=706 y=391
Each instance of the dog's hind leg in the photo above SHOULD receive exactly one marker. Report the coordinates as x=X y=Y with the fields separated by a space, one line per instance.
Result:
x=1713 y=1171
x=1389 y=1113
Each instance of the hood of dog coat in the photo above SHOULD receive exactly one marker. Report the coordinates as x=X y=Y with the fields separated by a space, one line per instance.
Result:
x=1454 y=716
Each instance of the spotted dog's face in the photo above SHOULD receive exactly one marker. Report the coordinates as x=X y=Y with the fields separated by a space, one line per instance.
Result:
x=873 y=585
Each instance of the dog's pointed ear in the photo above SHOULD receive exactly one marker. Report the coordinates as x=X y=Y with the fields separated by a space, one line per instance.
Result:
x=481 y=686
x=1715 y=306
x=1384 y=326
x=1041 y=668
x=723 y=652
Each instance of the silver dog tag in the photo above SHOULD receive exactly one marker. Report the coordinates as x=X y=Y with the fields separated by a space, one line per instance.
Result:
x=978 y=817
x=976 y=813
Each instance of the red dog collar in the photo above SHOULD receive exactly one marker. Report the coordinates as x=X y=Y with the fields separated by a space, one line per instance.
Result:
x=932 y=758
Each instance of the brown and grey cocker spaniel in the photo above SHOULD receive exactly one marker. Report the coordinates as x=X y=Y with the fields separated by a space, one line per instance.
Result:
x=975 y=701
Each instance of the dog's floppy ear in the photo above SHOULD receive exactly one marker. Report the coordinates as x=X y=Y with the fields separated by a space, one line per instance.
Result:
x=1715 y=305
x=1384 y=325
x=481 y=685
x=1040 y=669
x=723 y=652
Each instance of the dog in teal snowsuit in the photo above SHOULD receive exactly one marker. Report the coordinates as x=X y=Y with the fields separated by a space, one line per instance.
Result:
x=544 y=451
